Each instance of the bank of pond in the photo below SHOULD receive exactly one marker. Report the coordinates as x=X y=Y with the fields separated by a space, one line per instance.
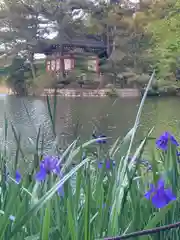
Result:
x=161 y=92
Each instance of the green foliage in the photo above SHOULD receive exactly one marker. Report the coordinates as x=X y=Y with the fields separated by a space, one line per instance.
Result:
x=165 y=31
x=129 y=40
x=141 y=41
x=19 y=75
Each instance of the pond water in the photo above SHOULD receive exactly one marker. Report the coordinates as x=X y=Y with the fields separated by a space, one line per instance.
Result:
x=79 y=117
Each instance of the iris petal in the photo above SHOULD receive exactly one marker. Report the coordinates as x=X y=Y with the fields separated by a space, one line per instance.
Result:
x=160 y=196
x=99 y=140
x=12 y=218
x=160 y=183
x=163 y=140
x=173 y=141
x=41 y=175
x=166 y=135
x=159 y=200
x=108 y=164
x=148 y=194
x=49 y=164
x=60 y=191
x=57 y=170
x=162 y=143
x=103 y=141
x=100 y=164
x=18 y=177
x=170 y=195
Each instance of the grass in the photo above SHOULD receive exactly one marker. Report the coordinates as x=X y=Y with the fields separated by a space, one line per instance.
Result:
x=98 y=203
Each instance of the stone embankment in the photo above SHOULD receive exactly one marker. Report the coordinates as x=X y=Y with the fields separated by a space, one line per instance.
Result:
x=73 y=93
x=124 y=93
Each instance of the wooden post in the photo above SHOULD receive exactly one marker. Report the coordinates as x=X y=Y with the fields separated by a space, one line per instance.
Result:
x=97 y=66
x=48 y=65
x=72 y=61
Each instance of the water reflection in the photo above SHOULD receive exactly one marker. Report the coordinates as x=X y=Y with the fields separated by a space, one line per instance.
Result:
x=79 y=117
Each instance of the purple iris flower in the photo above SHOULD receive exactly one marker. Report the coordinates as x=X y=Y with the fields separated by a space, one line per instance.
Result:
x=100 y=164
x=163 y=140
x=159 y=195
x=18 y=177
x=108 y=163
x=48 y=165
x=98 y=140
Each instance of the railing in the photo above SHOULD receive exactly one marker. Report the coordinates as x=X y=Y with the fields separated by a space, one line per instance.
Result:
x=145 y=232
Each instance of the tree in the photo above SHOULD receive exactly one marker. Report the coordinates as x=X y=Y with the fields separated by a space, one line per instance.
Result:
x=25 y=25
x=21 y=28
x=163 y=25
x=128 y=41
x=19 y=74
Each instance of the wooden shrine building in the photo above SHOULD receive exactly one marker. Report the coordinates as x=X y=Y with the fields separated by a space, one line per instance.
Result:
x=61 y=55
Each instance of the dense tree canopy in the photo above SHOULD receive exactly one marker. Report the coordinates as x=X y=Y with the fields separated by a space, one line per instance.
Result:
x=165 y=30
x=140 y=36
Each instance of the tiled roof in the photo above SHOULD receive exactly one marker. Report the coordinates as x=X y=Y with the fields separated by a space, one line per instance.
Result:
x=85 y=41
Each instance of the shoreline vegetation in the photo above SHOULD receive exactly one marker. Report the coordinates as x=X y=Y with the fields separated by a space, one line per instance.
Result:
x=113 y=187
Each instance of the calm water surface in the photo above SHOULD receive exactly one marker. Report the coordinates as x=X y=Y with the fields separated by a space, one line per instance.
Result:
x=79 y=117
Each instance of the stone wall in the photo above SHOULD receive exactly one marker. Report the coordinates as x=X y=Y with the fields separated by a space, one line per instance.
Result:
x=122 y=93
x=92 y=93
x=128 y=92
x=77 y=92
